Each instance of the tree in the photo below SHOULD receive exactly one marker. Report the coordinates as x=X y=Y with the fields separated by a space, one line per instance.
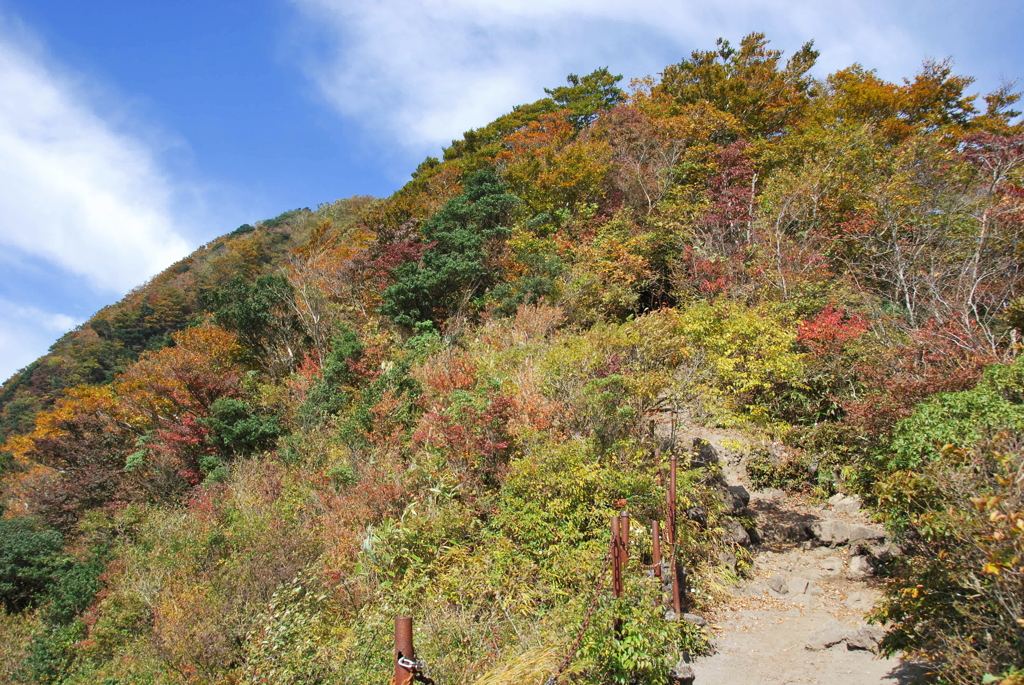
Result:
x=263 y=315
x=457 y=266
x=588 y=96
x=748 y=83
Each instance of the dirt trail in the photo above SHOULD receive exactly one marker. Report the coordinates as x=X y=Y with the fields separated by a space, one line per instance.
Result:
x=762 y=634
x=812 y=582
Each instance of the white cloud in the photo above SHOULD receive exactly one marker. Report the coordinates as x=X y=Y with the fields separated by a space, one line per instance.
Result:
x=425 y=71
x=74 y=190
x=25 y=332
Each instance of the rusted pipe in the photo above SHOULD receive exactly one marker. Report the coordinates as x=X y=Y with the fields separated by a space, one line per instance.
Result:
x=403 y=650
x=677 y=594
x=677 y=603
x=624 y=536
x=656 y=548
x=672 y=500
x=616 y=553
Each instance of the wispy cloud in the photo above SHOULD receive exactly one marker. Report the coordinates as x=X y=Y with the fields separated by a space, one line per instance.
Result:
x=25 y=332
x=74 y=190
x=425 y=71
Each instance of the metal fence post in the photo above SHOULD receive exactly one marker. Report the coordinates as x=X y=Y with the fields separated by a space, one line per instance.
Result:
x=403 y=650
x=677 y=601
x=656 y=548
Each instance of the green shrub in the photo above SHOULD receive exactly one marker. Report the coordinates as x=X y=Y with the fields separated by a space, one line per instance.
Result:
x=30 y=559
x=787 y=473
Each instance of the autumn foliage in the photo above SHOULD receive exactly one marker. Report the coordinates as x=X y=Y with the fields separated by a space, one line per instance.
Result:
x=430 y=403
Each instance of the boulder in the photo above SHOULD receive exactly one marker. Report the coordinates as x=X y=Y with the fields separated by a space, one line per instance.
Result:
x=785 y=531
x=704 y=453
x=848 y=504
x=830 y=531
x=885 y=551
x=778 y=584
x=740 y=496
x=727 y=559
x=864 y=637
x=857 y=533
x=698 y=515
x=859 y=568
x=735 y=532
x=681 y=674
x=695 y=619
x=832 y=633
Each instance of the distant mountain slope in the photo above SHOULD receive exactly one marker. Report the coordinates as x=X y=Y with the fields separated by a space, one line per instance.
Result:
x=115 y=336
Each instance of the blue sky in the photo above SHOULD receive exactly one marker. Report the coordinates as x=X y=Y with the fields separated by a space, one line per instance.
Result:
x=132 y=132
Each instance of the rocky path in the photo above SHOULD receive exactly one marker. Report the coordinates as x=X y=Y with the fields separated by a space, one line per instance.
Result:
x=799 y=618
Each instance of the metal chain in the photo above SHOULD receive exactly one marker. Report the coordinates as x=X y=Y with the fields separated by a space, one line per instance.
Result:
x=418 y=670
x=578 y=642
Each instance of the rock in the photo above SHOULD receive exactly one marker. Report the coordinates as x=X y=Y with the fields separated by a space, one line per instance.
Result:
x=838 y=497
x=785 y=531
x=803 y=600
x=698 y=515
x=671 y=616
x=797 y=586
x=859 y=568
x=830 y=531
x=848 y=504
x=727 y=559
x=857 y=533
x=864 y=637
x=681 y=674
x=832 y=633
x=740 y=496
x=814 y=590
x=858 y=600
x=778 y=584
x=735 y=532
x=704 y=454
x=695 y=619
x=886 y=551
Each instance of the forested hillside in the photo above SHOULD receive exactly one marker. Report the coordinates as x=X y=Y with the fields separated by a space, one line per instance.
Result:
x=431 y=404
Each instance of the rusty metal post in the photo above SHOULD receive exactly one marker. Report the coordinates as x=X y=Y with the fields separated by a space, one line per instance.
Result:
x=677 y=602
x=656 y=548
x=617 y=562
x=616 y=553
x=672 y=500
x=403 y=650
x=624 y=536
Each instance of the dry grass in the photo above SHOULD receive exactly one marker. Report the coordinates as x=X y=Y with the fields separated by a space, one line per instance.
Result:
x=533 y=666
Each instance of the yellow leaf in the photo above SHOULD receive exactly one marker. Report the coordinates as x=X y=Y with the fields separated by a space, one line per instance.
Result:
x=991 y=568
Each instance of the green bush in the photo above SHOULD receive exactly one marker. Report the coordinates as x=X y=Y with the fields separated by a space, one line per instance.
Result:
x=30 y=559
x=787 y=473
x=236 y=428
x=951 y=489
x=961 y=418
